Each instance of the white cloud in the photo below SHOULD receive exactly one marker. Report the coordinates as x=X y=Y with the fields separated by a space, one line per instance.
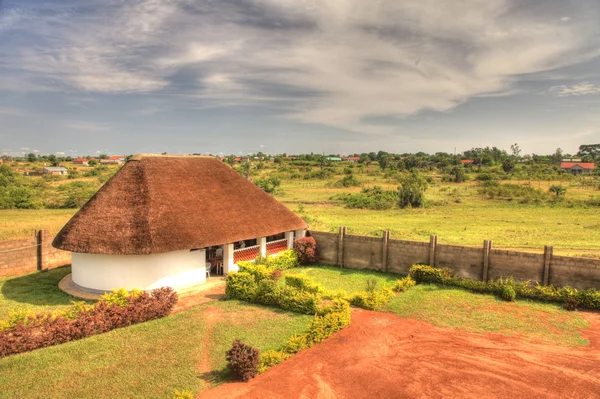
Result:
x=579 y=89
x=337 y=63
x=11 y=111
x=59 y=153
x=88 y=126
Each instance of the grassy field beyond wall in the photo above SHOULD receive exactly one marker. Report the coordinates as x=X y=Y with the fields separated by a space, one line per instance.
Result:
x=457 y=212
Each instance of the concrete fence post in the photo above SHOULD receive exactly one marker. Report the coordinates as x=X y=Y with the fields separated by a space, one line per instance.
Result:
x=432 y=245
x=384 y=250
x=548 y=251
x=487 y=246
x=41 y=240
x=340 y=254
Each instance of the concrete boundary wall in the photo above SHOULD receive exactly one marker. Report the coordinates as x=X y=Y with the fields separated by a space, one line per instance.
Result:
x=18 y=257
x=478 y=263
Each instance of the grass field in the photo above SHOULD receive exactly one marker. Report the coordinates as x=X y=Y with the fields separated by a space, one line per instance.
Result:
x=463 y=310
x=336 y=278
x=572 y=231
x=35 y=293
x=457 y=213
x=22 y=223
x=148 y=360
x=186 y=350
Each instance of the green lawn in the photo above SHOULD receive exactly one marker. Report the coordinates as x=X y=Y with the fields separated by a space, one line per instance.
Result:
x=37 y=292
x=463 y=310
x=21 y=223
x=336 y=278
x=572 y=231
x=478 y=313
x=148 y=360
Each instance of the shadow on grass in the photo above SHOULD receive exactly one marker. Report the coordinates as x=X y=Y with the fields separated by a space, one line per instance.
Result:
x=216 y=377
x=40 y=288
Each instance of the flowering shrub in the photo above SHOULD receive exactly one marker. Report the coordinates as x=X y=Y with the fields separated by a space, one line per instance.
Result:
x=404 y=284
x=46 y=329
x=306 y=249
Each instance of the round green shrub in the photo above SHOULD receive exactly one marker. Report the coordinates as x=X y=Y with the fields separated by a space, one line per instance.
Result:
x=508 y=293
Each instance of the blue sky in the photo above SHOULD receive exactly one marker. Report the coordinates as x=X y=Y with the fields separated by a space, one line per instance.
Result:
x=182 y=76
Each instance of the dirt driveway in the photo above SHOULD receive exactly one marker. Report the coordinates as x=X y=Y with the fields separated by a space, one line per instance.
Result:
x=383 y=356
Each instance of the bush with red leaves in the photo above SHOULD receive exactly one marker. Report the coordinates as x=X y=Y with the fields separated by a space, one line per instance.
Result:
x=46 y=329
x=306 y=249
x=242 y=360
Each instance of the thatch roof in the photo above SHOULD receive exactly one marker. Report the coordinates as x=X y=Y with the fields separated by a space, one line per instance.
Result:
x=166 y=203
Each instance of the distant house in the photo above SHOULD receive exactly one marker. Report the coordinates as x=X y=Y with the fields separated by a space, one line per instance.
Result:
x=55 y=171
x=81 y=161
x=466 y=161
x=58 y=170
x=334 y=159
x=577 y=168
x=353 y=159
x=114 y=160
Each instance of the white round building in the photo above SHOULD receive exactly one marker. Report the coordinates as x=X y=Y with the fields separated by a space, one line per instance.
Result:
x=155 y=222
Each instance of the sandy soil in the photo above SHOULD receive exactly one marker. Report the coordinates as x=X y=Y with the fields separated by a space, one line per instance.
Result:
x=383 y=356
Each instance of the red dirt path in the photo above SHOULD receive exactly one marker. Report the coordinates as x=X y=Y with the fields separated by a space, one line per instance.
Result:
x=383 y=356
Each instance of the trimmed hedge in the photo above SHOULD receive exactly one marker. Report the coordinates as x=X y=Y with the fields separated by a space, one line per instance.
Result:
x=252 y=286
x=83 y=321
x=373 y=299
x=282 y=261
x=328 y=321
x=504 y=288
x=300 y=294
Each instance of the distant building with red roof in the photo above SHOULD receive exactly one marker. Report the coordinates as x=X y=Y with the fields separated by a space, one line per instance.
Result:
x=466 y=161
x=577 y=168
x=114 y=160
x=80 y=161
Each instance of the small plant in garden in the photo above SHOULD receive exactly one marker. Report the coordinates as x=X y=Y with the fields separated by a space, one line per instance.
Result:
x=120 y=297
x=242 y=360
x=183 y=394
x=306 y=249
x=508 y=293
x=558 y=189
x=371 y=284
x=404 y=284
x=571 y=303
x=372 y=300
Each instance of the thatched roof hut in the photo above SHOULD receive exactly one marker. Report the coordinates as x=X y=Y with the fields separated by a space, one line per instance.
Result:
x=159 y=204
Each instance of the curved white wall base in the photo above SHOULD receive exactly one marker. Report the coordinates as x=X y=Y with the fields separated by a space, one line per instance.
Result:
x=176 y=269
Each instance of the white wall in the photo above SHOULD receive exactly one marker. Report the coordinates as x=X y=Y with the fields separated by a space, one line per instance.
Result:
x=173 y=269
